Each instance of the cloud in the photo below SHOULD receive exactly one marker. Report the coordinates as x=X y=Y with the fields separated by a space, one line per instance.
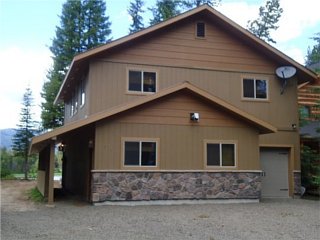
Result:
x=240 y=12
x=297 y=23
x=20 y=69
x=296 y=18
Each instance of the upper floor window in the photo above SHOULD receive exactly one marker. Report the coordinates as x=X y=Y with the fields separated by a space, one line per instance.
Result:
x=220 y=154
x=82 y=93
x=253 y=88
x=74 y=104
x=139 y=153
x=200 y=30
x=142 y=81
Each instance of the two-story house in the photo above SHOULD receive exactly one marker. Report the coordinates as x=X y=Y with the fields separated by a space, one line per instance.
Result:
x=190 y=108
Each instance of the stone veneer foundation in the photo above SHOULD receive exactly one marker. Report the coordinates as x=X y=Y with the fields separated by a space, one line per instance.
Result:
x=297 y=182
x=127 y=186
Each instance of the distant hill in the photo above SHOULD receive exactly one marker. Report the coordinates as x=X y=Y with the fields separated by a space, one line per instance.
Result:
x=6 y=136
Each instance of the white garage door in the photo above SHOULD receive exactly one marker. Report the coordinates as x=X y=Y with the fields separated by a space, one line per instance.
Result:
x=274 y=163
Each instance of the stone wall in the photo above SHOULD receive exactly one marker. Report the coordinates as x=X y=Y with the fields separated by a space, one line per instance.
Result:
x=297 y=182
x=126 y=186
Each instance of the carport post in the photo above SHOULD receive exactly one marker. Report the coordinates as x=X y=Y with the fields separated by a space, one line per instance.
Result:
x=51 y=175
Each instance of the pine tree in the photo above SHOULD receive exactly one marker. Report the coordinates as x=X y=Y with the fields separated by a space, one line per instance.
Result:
x=26 y=130
x=83 y=25
x=196 y=3
x=135 y=10
x=269 y=16
x=164 y=10
x=313 y=55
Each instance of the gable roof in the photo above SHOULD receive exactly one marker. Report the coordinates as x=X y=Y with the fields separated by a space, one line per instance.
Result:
x=81 y=60
x=261 y=125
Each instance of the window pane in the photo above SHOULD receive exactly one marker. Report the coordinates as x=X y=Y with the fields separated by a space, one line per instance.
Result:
x=200 y=30
x=148 y=157
x=228 y=155
x=134 y=80
x=83 y=98
x=261 y=89
x=213 y=154
x=248 y=88
x=149 y=82
x=131 y=154
x=82 y=93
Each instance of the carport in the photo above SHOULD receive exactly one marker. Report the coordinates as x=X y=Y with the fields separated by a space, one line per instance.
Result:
x=77 y=143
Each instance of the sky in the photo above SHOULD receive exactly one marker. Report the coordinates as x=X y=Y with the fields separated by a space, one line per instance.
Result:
x=27 y=28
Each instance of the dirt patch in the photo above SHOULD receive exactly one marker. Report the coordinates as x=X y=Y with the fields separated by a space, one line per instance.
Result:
x=14 y=196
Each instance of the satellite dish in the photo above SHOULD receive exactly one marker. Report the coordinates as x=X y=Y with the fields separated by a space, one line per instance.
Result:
x=284 y=73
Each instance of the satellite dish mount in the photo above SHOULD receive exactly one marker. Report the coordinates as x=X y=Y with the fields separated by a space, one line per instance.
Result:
x=285 y=73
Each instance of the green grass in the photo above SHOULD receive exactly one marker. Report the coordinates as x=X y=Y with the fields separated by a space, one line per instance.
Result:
x=35 y=195
x=9 y=177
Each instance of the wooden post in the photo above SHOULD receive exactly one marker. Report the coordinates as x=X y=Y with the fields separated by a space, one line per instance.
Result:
x=51 y=175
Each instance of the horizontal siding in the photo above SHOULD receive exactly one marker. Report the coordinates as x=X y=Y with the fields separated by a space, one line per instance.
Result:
x=181 y=147
x=180 y=47
x=176 y=109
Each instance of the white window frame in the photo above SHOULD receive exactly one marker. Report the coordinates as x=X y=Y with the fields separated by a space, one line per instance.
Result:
x=255 y=88
x=140 y=140
x=142 y=80
x=233 y=142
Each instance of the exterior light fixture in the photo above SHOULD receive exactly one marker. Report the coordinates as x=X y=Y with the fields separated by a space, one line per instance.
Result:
x=194 y=117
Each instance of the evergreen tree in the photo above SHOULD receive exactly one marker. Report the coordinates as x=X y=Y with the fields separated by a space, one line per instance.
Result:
x=135 y=11
x=26 y=130
x=313 y=55
x=83 y=25
x=164 y=10
x=269 y=16
x=196 y=3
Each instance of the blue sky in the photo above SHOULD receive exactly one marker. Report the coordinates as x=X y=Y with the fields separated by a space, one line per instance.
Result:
x=27 y=28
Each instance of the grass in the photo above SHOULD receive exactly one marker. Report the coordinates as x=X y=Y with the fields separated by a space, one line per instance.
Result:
x=8 y=177
x=35 y=195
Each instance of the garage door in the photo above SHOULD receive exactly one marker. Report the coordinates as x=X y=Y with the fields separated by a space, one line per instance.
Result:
x=274 y=163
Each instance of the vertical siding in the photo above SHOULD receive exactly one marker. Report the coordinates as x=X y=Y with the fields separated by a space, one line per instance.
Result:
x=215 y=64
x=108 y=82
x=181 y=147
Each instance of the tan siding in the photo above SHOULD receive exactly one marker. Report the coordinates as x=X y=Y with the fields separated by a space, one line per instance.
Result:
x=181 y=147
x=181 y=140
x=216 y=64
x=108 y=82
x=176 y=110
x=284 y=139
x=179 y=47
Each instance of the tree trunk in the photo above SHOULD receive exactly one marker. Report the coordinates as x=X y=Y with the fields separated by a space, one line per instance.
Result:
x=26 y=167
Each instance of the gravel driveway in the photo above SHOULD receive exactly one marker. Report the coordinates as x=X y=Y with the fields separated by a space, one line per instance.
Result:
x=269 y=219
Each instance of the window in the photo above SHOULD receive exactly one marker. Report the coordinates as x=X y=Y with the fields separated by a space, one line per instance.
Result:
x=140 y=153
x=74 y=103
x=220 y=154
x=255 y=88
x=200 y=30
x=142 y=81
x=82 y=93
x=72 y=107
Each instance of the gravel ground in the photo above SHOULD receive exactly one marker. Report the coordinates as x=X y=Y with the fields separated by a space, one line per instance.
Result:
x=70 y=219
